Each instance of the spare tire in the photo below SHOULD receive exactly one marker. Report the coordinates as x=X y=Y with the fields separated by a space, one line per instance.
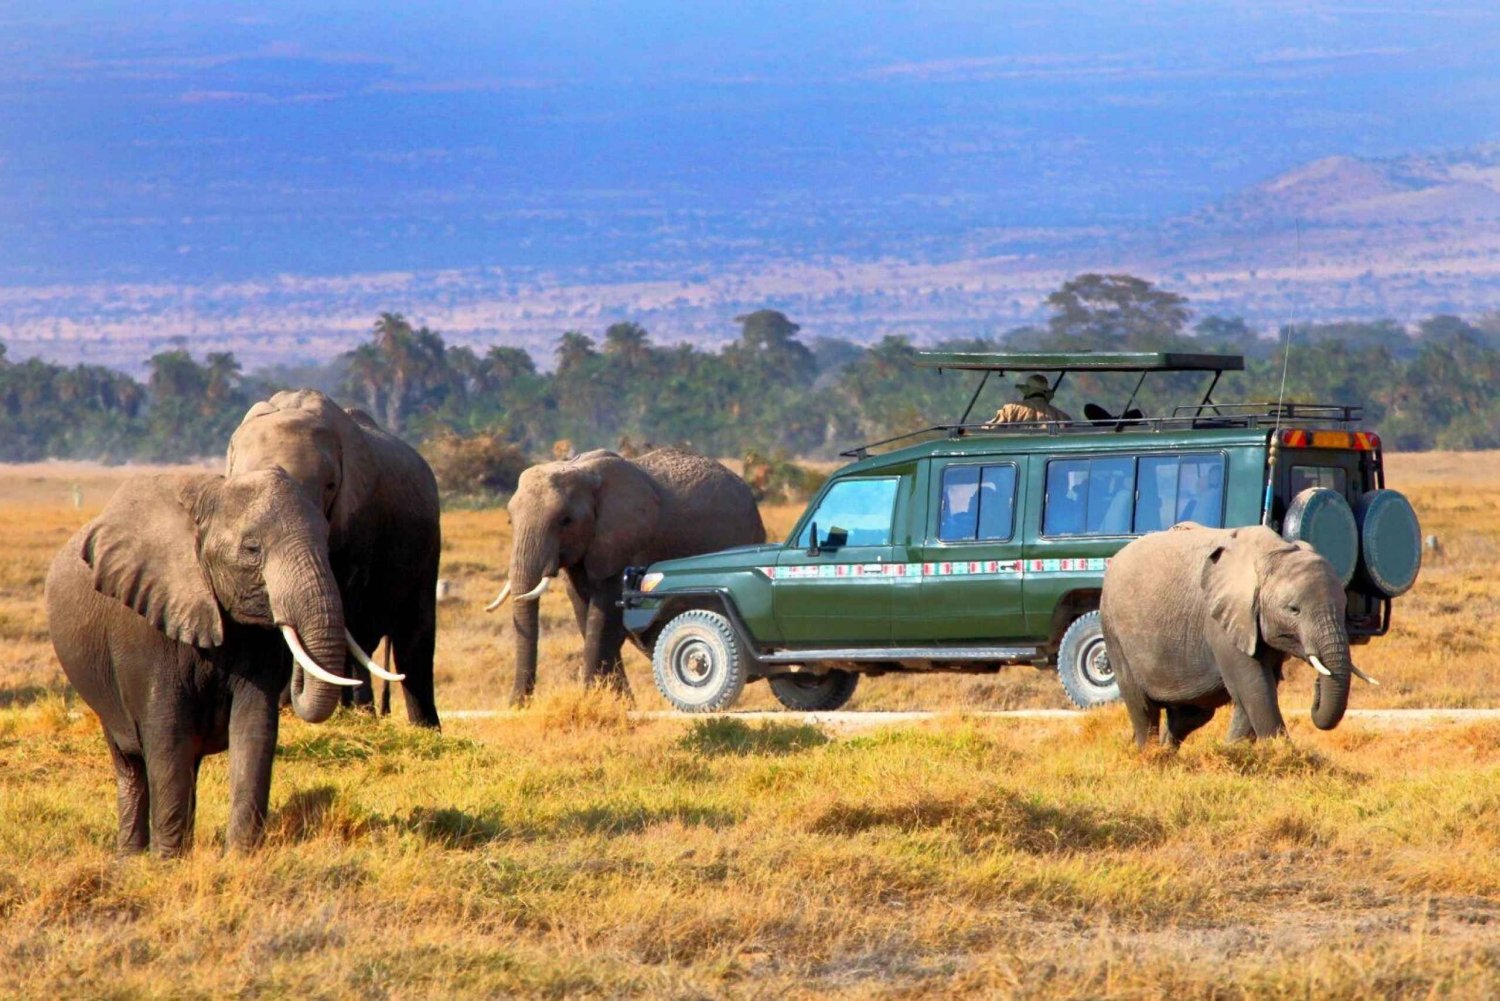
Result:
x=1321 y=518
x=1390 y=541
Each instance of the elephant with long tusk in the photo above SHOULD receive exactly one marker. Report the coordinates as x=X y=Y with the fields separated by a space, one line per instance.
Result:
x=170 y=613
x=380 y=503
x=1195 y=618
x=590 y=517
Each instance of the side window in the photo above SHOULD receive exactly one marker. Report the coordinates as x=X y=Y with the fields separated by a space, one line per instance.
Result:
x=854 y=513
x=997 y=503
x=977 y=503
x=1067 y=496
x=1329 y=477
x=1111 y=496
x=958 y=514
x=1173 y=489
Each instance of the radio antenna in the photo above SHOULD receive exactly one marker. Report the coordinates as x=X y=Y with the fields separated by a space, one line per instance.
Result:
x=1286 y=331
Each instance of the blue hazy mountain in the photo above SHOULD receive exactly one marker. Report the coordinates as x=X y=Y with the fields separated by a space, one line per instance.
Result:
x=186 y=146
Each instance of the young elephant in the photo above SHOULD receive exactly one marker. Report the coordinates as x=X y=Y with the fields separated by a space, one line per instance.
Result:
x=164 y=612
x=1197 y=617
x=596 y=514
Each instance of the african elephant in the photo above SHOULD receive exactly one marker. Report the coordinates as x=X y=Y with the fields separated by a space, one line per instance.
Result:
x=380 y=501
x=164 y=612
x=596 y=514
x=1197 y=617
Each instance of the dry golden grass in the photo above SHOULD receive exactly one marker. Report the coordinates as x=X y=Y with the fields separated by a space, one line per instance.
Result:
x=577 y=851
x=571 y=851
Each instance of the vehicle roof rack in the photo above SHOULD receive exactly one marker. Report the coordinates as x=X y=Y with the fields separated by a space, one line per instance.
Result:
x=1201 y=416
x=1080 y=361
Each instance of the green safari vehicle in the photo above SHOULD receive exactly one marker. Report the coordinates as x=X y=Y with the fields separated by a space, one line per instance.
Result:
x=971 y=547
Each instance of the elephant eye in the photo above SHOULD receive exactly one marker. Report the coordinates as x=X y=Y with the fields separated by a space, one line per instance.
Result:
x=1294 y=609
x=251 y=546
x=567 y=519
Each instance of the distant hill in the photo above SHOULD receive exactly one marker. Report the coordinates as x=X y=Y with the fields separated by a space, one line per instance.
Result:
x=1335 y=238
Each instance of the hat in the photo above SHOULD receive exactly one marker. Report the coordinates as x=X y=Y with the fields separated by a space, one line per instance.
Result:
x=1035 y=385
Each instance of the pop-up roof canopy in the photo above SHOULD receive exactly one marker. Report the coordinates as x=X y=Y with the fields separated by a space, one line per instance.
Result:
x=1063 y=362
x=1080 y=361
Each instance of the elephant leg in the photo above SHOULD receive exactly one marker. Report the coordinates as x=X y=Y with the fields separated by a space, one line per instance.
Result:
x=253 y=724
x=1252 y=686
x=578 y=595
x=133 y=797
x=414 y=645
x=1145 y=715
x=1183 y=720
x=171 y=774
x=604 y=638
x=1239 y=726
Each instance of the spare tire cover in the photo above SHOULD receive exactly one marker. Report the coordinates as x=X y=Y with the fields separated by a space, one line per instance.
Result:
x=1390 y=541
x=1321 y=518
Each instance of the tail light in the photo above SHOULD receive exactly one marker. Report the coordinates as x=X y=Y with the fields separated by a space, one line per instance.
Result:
x=1359 y=441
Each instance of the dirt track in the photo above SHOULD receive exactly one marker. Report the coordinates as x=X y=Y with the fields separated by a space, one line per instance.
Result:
x=1394 y=719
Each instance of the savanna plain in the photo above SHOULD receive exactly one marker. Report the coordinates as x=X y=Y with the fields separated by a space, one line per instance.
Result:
x=577 y=850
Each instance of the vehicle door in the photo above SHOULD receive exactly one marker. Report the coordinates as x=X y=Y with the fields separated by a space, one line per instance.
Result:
x=970 y=556
x=840 y=590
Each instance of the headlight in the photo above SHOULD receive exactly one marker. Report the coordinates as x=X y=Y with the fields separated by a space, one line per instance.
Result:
x=649 y=582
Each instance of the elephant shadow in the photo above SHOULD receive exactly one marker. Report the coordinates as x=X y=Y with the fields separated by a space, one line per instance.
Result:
x=722 y=736
x=632 y=818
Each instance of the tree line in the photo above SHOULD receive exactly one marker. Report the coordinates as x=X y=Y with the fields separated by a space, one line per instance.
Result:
x=770 y=390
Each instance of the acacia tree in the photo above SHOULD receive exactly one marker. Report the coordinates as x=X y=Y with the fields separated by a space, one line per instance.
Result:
x=1116 y=312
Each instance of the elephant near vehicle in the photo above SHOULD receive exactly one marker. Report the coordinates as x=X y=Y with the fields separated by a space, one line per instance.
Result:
x=592 y=516
x=1194 y=618
x=165 y=612
x=380 y=501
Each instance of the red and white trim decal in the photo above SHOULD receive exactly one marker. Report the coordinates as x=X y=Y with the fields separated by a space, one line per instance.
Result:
x=1003 y=569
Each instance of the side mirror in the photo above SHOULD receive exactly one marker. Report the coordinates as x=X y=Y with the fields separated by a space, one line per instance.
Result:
x=812 y=545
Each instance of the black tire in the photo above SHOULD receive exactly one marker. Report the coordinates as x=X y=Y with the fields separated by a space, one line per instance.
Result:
x=697 y=662
x=813 y=693
x=1083 y=666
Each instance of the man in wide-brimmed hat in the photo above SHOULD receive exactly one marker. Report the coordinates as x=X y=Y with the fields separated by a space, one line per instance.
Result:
x=1035 y=404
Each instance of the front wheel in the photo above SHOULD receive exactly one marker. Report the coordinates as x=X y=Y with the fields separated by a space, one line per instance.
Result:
x=697 y=662
x=1083 y=666
x=812 y=693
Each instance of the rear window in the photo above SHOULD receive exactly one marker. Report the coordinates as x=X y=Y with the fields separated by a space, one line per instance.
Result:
x=1327 y=477
x=978 y=503
x=1126 y=495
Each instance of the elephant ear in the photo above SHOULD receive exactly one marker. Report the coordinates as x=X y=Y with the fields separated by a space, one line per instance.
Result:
x=143 y=551
x=627 y=507
x=1231 y=585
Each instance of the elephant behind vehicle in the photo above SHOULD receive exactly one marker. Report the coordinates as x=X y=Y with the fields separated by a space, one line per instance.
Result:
x=169 y=612
x=592 y=516
x=1195 y=618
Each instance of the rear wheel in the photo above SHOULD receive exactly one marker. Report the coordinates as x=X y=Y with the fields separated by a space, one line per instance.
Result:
x=813 y=693
x=697 y=662
x=1083 y=666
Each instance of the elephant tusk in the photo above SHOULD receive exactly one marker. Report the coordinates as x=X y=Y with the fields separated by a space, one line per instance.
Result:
x=537 y=591
x=1363 y=676
x=499 y=598
x=305 y=661
x=1318 y=666
x=367 y=663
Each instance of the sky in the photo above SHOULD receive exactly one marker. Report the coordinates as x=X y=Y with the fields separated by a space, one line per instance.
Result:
x=183 y=143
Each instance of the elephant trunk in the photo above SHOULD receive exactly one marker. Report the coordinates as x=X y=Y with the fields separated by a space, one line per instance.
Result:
x=305 y=599
x=1330 y=645
x=533 y=560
